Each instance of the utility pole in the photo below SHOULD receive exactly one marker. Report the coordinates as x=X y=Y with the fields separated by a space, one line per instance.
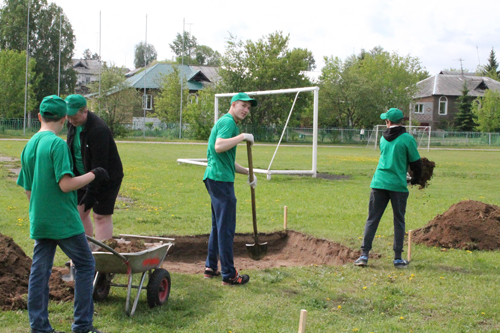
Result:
x=181 y=76
x=59 y=73
x=145 y=97
x=27 y=63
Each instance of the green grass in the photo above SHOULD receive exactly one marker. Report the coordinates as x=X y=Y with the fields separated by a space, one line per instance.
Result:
x=452 y=291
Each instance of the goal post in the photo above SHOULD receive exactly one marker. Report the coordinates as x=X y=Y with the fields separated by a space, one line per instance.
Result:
x=269 y=172
x=422 y=135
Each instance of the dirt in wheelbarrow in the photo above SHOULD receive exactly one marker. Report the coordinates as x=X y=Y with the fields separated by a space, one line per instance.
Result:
x=15 y=268
x=285 y=249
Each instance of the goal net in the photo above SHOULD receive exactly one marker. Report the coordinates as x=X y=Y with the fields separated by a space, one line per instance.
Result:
x=422 y=135
x=270 y=171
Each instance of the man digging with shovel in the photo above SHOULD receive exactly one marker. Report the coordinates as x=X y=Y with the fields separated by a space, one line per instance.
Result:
x=219 y=181
x=398 y=150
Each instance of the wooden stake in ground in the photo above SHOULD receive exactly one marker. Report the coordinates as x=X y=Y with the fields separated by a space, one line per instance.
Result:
x=302 y=322
x=409 y=245
x=285 y=217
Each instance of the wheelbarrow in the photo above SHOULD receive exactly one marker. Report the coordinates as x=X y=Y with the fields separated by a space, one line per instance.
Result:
x=148 y=261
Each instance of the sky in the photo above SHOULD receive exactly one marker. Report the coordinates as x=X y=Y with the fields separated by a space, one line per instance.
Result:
x=442 y=34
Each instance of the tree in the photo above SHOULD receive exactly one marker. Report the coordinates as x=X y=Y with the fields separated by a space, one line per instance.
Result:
x=267 y=64
x=12 y=84
x=487 y=111
x=144 y=54
x=47 y=24
x=491 y=69
x=88 y=55
x=464 y=119
x=117 y=101
x=199 y=114
x=168 y=101
x=205 y=56
x=354 y=92
x=184 y=47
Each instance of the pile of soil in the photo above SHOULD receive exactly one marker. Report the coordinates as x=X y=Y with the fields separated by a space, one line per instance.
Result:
x=427 y=173
x=122 y=246
x=468 y=225
x=15 y=268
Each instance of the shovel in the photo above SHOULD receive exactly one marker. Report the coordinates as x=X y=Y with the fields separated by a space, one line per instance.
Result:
x=256 y=251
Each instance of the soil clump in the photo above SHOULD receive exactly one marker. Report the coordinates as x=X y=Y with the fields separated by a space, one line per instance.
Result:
x=427 y=173
x=468 y=225
x=15 y=268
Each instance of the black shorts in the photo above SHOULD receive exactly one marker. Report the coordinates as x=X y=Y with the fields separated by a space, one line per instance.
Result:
x=105 y=198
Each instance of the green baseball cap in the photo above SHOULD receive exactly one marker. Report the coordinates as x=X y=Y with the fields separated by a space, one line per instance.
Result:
x=53 y=107
x=75 y=103
x=243 y=97
x=393 y=114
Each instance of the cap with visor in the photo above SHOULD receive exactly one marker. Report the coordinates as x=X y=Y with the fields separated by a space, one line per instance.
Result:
x=53 y=107
x=75 y=103
x=243 y=97
x=394 y=115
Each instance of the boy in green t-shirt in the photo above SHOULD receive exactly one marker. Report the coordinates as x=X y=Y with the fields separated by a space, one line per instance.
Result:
x=219 y=181
x=398 y=150
x=46 y=175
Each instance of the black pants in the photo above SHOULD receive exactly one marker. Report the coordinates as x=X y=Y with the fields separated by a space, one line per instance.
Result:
x=378 y=203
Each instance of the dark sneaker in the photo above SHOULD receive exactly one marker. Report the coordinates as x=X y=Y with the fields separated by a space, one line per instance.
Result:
x=237 y=280
x=361 y=261
x=93 y=330
x=210 y=273
x=400 y=263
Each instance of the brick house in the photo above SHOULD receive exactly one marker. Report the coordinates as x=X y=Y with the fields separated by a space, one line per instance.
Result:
x=436 y=102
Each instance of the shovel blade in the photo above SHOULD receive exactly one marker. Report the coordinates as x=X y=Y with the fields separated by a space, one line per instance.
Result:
x=257 y=251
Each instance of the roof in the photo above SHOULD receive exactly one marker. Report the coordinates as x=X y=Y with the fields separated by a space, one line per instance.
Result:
x=150 y=77
x=86 y=66
x=452 y=83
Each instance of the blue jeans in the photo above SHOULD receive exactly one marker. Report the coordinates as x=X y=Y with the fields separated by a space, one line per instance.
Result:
x=221 y=238
x=378 y=203
x=77 y=249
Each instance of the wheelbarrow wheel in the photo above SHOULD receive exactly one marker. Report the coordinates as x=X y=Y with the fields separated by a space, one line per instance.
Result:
x=102 y=287
x=158 y=289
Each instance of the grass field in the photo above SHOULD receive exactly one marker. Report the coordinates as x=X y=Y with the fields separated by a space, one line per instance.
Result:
x=451 y=291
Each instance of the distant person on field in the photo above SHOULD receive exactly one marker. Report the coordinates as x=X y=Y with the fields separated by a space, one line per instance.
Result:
x=92 y=145
x=47 y=176
x=398 y=150
x=362 y=134
x=219 y=181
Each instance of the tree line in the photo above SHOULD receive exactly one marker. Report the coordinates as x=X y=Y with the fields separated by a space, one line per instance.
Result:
x=353 y=91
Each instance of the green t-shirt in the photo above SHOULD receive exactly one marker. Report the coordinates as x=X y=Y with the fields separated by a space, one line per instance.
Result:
x=77 y=150
x=395 y=156
x=44 y=161
x=220 y=166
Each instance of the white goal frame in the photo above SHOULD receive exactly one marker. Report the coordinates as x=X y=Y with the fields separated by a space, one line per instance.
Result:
x=269 y=172
x=422 y=131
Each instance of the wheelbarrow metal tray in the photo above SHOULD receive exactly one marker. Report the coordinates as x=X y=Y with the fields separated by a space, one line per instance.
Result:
x=106 y=262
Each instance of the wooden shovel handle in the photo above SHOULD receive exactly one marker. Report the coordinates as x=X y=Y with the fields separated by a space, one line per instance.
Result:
x=252 y=191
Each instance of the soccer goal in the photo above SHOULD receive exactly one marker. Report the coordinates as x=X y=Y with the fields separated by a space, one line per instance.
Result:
x=270 y=171
x=422 y=135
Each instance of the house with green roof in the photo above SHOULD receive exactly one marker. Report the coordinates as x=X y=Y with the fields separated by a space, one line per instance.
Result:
x=149 y=79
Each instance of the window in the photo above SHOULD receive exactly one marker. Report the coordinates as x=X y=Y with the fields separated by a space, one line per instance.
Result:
x=147 y=102
x=419 y=108
x=443 y=106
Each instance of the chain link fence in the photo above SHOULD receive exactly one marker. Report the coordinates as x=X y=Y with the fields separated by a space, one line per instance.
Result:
x=272 y=134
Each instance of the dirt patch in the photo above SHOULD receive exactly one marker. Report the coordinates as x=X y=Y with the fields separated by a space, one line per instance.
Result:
x=468 y=225
x=427 y=173
x=329 y=176
x=123 y=246
x=15 y=268
x=285 y=249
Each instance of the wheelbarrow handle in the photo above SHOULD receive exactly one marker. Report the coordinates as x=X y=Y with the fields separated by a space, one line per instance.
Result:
x=101 y=244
